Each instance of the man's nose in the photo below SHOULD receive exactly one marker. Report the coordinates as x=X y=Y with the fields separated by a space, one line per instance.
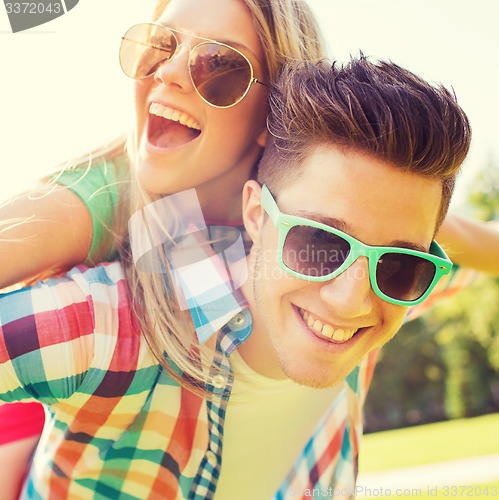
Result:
x=350 y=293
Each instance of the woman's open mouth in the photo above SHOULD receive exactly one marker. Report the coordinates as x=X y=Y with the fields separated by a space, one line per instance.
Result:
x=169 y=128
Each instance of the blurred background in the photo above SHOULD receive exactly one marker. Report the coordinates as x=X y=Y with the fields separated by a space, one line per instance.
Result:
x=63 y=93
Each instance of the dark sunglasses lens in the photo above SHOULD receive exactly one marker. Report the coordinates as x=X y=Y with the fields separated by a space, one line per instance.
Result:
x=314 y=252
x=404 y=277
x=144 y=47
x=221 y=75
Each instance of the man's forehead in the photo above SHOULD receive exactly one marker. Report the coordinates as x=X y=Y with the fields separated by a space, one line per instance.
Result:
x=365 y=197
x=345 y=227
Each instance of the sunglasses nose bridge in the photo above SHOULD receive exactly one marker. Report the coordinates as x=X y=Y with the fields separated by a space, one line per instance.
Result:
x=359 y=250
x=350 y=291
x=177 y=67
x=354 y=260
x=178 y=54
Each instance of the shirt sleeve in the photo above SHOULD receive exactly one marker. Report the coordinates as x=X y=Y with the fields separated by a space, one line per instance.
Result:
x=46 y=340
x=366 y=373
x=97 y=185
x=19 y=421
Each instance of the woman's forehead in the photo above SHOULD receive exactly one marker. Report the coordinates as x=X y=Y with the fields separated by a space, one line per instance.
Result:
x=227 y=21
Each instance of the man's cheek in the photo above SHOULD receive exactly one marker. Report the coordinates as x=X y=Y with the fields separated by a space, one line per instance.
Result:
x=392 y=324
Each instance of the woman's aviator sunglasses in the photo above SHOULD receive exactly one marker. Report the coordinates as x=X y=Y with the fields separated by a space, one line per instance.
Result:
x=221 y=75
x=317 y=252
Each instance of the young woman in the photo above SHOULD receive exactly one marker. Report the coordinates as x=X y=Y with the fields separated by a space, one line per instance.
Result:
x=183 y=119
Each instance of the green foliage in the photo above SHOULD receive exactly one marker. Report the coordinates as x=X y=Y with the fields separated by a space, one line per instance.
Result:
x=468 y=324
x=485 y=195
x=408 y=387
x=444 y=365
x=466 y=329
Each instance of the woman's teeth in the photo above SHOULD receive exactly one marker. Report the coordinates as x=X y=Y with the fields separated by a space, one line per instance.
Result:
x=173 y=115
x=338 y=335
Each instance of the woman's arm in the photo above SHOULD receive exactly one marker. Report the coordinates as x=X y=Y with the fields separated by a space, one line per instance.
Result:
x=14 y=462
x=471 y=243
x=20 y=428
x=61 y=223
x=42 y=232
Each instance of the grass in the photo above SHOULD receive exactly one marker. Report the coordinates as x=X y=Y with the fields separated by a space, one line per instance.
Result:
x=430 y=443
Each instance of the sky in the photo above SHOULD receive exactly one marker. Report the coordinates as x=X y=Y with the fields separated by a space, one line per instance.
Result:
x=63 y=91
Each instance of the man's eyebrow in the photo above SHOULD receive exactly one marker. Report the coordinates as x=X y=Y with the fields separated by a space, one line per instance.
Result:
x=410 y=245
x=343 y=226
x=323 y=219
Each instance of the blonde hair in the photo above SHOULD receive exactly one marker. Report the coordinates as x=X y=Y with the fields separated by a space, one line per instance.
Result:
x=287 y=29
x=289 y=32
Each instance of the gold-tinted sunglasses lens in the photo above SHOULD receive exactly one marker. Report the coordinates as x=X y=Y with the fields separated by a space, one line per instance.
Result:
x=221 y=75
x=144 y=47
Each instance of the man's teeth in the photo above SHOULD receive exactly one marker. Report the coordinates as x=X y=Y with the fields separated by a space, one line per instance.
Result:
x=174 y=115
x=338 y=335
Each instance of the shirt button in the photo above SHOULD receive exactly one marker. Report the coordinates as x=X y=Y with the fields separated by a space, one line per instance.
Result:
x=238 y=320
x=211 y=457
x=218 y=381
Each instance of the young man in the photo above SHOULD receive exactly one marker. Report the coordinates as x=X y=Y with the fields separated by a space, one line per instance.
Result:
x=370 y=151
x=356 y=179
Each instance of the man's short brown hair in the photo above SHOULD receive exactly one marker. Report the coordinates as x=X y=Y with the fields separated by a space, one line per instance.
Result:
x=376 y=108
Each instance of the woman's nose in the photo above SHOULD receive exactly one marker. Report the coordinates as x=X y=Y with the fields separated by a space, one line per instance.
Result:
x=175 y=71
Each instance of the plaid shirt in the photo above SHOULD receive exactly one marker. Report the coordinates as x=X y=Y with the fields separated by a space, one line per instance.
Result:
x=118 y=425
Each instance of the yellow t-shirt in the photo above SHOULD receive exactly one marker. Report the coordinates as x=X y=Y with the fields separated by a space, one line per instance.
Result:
x=267 y=425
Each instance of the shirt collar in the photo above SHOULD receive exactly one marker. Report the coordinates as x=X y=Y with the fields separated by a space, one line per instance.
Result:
x=236 y=331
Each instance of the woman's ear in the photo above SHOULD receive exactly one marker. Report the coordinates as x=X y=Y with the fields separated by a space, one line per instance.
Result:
x=262 y=138
x=253 y=213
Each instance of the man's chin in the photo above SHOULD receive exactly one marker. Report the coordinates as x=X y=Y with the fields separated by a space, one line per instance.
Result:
x=317 y=379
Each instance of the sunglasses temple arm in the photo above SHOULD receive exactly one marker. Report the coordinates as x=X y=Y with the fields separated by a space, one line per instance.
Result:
x=268 y=203
x=438 y=251
x=255 y=80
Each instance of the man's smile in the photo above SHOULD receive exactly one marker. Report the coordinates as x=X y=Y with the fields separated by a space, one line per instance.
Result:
x=325 y=330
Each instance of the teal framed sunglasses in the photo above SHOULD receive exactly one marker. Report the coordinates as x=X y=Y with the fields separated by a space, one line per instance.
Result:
x=314 y=251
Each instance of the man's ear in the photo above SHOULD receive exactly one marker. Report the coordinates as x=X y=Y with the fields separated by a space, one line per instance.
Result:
x=253 y=213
